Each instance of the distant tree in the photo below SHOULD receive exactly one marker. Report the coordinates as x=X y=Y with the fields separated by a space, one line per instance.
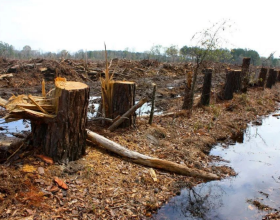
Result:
x=156 y=51
x=172 y=51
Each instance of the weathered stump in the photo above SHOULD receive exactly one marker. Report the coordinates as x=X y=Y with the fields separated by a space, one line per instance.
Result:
x=123 y=98
x=262 y=77
x=245 y=77
x=188 y=102
x=229 y=86
x=278 y=76
x=63 y=138
x=274 y=77
x=270 y=79
x=236 y=80
x=206 y=90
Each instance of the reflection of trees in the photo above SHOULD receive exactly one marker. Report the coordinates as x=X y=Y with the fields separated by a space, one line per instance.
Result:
x=199 y=202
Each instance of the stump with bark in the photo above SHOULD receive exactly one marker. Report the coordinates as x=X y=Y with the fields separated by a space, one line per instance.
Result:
x=119 y=101
x=262 y=77
x=236 y=80
x=206 y=90
x=245 y=77
x=270 y=79
x=187 y=104
x=63 y=137
x=229 y=86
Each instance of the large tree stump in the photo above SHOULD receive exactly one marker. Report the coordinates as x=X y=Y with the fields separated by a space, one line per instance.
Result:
x=229 y=86
x=123 y=98
x=206 y=90
x=278 y=76
x=262 y=77
x=270 y=79
x=236 y=80
x=274 y=77
x=245 y=77
x=63 y=138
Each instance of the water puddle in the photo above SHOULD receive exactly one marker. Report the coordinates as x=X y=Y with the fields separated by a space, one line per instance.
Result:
x=257 y=162
x=14 y=127
x=144 y=110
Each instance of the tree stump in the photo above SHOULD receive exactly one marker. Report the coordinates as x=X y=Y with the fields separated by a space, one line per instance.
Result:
x=270 y=79
x=63 y=138
x=278 y=76
x=274 y=77
x=245 y=77
x=188 y=102
x=236 y=80
x=262 y=77
x=229 y=86
x=123 y=98
x=206 y=90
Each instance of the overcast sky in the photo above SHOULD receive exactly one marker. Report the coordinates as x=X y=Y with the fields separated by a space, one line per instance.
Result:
x=53 y=25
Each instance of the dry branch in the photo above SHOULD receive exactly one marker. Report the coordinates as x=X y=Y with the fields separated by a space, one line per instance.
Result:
x=147 y=160
x=127 y=114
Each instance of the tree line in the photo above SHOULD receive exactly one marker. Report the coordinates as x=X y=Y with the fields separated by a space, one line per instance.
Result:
x=157 y=52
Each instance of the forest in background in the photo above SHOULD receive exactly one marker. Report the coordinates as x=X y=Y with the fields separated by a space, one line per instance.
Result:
x=157 y=52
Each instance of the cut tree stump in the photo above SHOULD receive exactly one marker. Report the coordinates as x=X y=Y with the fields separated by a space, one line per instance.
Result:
x=229 y=86
x=237 y=80
x=148 y=161
x=262 y=77
x=63 y=138
x=206 y=90
x=270 y=79
x=245 y=77
x=123 y=98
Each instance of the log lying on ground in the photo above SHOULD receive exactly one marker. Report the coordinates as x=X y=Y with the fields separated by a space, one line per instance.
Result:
x=3 y=76
x=127 y=114
x=148 y=161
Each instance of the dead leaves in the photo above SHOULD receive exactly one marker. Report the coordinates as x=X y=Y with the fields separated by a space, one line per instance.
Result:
x=60 y=183
x=45 y=159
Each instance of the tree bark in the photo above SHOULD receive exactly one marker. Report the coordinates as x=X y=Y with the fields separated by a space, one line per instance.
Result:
x=229 y=86
x=63 y=138
x=206 y=90
x=262 y=77
x=245 y=77
x=237 y=80
x=188 y=92
x=270 y=79
x=278 y=76
x=148 y=161
x=153 y=103
x=123 y=98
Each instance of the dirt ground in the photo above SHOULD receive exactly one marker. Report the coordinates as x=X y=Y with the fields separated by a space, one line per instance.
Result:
x=102 y=185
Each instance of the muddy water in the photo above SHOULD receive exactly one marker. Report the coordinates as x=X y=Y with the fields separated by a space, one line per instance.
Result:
x=257 y=162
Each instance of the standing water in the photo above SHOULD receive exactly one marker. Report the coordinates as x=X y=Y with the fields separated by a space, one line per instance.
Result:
x=257 y=162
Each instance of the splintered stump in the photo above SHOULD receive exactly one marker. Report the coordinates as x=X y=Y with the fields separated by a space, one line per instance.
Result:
x=206 y=90
x=123 y=98
x=63 y=138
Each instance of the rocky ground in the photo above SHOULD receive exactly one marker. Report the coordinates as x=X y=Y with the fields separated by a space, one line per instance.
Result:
x=102 y=185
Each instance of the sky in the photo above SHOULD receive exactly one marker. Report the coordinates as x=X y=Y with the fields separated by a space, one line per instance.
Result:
x=54 y=25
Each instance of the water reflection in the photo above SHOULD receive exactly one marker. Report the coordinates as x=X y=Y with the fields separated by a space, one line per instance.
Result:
x=257 y=162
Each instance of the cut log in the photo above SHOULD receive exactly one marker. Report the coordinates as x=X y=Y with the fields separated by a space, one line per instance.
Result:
x=126 y=116
x=63 y=137
x=206 y=90
x=147 y=160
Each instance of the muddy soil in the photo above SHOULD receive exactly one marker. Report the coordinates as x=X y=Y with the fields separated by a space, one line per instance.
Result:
x=102 y=185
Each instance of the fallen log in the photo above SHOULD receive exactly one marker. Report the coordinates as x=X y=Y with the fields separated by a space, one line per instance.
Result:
x=147 y=160
x=127 y=114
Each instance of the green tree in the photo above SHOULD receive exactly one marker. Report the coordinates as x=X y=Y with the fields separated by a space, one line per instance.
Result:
x=172 y=51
